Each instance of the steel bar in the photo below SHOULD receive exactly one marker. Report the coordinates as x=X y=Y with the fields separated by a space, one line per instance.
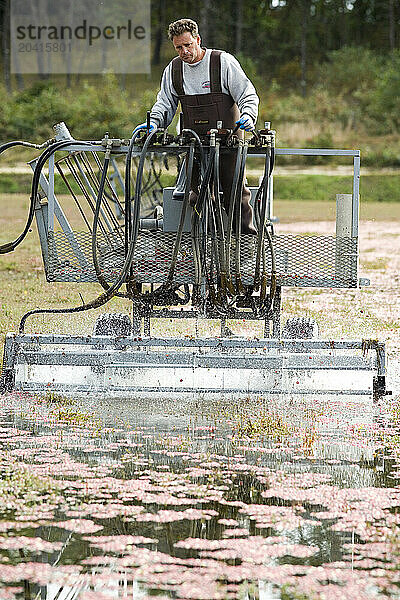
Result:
x=221 y=343
x=252 y=151
x=356 y=195
x=162 y=360
x=77 y=389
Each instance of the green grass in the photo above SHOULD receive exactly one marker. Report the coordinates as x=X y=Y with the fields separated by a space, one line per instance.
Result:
x=21 y=183
x=290 y=211
x=373 y=188
x=12 y=184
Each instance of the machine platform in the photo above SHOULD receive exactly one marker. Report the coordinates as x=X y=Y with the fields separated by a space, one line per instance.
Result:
x=112 y=212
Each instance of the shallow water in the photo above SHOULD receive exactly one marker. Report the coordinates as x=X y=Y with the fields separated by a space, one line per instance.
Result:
x=281 y=497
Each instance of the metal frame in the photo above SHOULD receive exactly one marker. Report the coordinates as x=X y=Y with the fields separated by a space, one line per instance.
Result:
x=331 y=152
x=54 y=208
x=226 y=358
x=54 y=211
x=179 y=358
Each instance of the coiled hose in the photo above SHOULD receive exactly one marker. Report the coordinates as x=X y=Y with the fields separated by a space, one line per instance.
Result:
x=190 y=163
x=134 y=227
x=232 y=204
x=261 y=201
x=239 y=285
x=199 y=234
x=50 y=144
x=101 y=279
x=112 y=289
x=220 y=232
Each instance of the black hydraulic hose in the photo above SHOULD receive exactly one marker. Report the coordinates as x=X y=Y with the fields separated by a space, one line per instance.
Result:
x=261 y=230
x=262 y=198
x=204 y=203
x=272 y=290
x=194 y=227
x=138 y=187
x=196 y=253
x=232 y=201
x=10 y=246
x=132 y=219
x=272 y=161
x=103 y=282
x=51 y=149
x=111 y=197
x=214 y=254
x=128 y=206
x=185 y=204
x=212 y=229
x=15 y=143
x=8 y=145
x=110 y=292
x=197 y=210
x=238 y=203
x=257 y=200
x=97 y=302
x=219 y=222
x=96 y=215
x=204 y=186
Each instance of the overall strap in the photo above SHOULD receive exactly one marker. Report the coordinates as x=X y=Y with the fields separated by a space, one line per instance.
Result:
x=177 y=76
x=215 y=72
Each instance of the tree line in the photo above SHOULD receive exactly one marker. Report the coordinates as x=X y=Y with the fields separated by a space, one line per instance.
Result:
x=283 y=40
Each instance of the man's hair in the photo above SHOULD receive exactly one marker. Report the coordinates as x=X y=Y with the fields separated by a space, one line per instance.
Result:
x=181 y=26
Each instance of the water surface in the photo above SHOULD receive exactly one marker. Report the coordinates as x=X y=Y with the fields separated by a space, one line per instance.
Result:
x=280 y=497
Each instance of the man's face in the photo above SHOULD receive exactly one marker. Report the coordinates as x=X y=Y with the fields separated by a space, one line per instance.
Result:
x=188 y=47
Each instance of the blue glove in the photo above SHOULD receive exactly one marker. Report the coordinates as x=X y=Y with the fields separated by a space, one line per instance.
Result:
x=153 y=125
x=245 y=122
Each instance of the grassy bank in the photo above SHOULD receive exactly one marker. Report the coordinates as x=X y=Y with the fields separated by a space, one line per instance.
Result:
x=373 y=188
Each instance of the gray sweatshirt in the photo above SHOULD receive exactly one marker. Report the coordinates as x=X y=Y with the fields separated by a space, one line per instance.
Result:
x=196 y=80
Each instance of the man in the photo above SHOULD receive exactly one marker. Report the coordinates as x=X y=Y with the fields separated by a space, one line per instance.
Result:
x=211 y=86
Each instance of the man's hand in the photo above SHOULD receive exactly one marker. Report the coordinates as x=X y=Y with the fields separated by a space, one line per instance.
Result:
x=153 y=125
x=245 y=122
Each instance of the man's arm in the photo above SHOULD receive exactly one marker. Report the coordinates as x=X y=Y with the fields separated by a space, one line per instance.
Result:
x=239 y=86
x=167 y=100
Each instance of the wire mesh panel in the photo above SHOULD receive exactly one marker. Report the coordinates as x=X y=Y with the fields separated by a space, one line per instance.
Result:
x=306 y=261
x=301 y=261
x=86 y=227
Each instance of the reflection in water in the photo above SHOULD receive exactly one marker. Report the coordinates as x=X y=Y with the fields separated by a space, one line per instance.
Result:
x=279 y=497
